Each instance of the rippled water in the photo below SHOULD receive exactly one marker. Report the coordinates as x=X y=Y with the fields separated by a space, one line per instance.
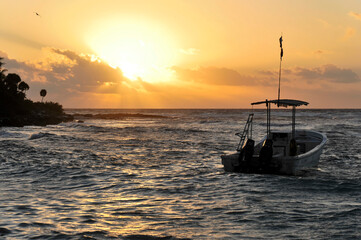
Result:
x=162 y=178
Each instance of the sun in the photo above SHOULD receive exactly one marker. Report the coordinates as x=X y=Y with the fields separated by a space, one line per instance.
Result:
x=139 y=49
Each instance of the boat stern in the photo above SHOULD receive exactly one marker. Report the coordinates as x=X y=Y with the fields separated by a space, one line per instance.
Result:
x=230 y=162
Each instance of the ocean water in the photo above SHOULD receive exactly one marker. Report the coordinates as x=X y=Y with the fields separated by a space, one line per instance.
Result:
x=162 y=178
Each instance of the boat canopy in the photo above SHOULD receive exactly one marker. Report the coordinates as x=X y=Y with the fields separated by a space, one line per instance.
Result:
x=283 y=102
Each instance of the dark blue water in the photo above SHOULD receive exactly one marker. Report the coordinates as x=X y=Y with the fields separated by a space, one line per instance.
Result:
x=162 y=178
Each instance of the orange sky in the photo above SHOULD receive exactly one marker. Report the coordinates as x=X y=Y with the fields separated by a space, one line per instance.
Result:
x=184 y=54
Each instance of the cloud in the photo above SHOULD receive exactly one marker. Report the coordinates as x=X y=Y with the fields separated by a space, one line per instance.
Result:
x=78 y=80
x=86 y=71
x=69 y=70
x=214 y=76
x=73 y=79
x=349 y=33
x=267 y=73
x=324 y=23
x=355 y=15
x=319 y=52
x=190 y=51
x=228 y=77
x=329 y=73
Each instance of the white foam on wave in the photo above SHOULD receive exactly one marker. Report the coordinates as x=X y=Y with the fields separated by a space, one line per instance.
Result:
x=39 y=135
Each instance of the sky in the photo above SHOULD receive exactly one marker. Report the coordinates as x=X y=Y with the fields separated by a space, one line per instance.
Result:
x=184 y=53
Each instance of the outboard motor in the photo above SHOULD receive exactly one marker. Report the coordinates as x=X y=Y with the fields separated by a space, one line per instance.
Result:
x=248 y=150
x=245 y=155
x=266 y=153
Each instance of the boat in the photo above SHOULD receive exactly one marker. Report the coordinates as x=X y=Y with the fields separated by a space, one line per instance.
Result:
x=279 y=152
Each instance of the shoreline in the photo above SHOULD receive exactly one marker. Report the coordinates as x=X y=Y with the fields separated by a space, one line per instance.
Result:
x=34 y=120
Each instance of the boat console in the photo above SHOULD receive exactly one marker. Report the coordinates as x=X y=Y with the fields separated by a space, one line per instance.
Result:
x=281 y=143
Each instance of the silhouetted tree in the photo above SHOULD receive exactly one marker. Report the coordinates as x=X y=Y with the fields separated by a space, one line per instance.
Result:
x=11 y=82
x=2 y=70
x=2 y=77
x=16 y=110
x=23 y=86
x=11 y=97
x=42 y=94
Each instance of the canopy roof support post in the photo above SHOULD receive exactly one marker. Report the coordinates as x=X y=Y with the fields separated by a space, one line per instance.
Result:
x=293 y=121
x=268 y=104
x=250 y=134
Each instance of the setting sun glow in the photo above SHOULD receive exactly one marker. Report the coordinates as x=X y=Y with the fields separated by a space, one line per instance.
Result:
x=184 y=54
x=140 y=50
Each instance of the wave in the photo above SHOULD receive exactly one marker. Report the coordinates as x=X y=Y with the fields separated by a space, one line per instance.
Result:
x=4 y=231
x=40 y=135
x=115 y=129
x=150 y=237
x=165 y=175
x=9 y=134
x=117 y=116
x=103 y=131
x=97 y=234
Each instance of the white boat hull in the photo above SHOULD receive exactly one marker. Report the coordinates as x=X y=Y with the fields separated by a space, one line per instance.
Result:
x=290 y=165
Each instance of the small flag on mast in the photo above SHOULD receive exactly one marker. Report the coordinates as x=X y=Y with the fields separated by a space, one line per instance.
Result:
x=281 y=40
x=279 y=76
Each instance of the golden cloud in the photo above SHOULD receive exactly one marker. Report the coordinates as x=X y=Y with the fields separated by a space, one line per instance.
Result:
x=355 y=15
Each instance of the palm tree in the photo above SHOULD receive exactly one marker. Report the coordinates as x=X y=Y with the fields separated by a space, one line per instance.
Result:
x=23 y=87
x=42 y=94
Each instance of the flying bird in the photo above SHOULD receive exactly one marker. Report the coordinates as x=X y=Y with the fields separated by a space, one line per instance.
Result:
x=37 y=14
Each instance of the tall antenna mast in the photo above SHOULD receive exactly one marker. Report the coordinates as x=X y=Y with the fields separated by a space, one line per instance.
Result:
x=279 y=75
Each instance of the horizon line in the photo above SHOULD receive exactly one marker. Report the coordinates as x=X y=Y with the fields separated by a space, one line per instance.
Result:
x=301 y=108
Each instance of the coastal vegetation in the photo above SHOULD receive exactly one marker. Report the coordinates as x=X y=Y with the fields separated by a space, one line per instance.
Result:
x=17 y=110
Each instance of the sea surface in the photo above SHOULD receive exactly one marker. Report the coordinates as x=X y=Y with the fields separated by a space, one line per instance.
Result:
x=151 y=177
